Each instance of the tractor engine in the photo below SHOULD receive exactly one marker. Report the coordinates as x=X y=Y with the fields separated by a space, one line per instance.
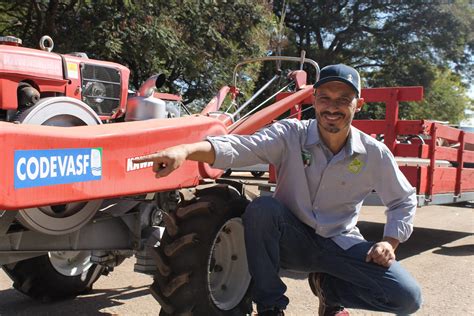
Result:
x=38 y=74
x=70 y=90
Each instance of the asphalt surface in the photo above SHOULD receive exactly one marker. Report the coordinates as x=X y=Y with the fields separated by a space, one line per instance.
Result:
x=439 y=254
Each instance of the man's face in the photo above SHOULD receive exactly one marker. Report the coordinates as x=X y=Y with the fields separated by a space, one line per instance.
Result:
x=335 y=105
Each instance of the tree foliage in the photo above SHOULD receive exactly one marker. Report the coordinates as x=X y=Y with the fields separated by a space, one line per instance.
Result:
x=391 y=42
x=445 y=100
x=195 y=43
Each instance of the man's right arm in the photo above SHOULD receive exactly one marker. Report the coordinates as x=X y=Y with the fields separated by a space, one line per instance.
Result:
x=264 y=146
x=170 y=159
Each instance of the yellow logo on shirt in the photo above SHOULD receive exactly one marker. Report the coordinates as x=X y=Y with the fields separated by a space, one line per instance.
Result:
x=355 y=166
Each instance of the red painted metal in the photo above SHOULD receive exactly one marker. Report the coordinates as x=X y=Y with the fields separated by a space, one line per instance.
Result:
x=272 y=177
x=8 y=100
x=295 y=112
x=469 y=138
x=167 y=96
x=446 y=153
x=422 y=181
x=221 y=116
x=370 y=126
x=460 y=159
x=216 y=102
x=467 y=180
x=391 y=97
x=444 y=181
x=119 y=142
x=384 y=94
x=44 y=70
x=299 y=76
x=447 y=133
x=412 y=174
x=411 y=127
x=390 y=136
x=408 y=150
x=468 y=156
x=26 y=62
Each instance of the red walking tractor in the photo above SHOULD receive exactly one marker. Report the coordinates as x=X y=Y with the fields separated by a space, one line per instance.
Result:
x=73 y=205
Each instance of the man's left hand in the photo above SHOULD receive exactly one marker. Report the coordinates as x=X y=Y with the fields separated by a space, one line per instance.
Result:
x=381 y=253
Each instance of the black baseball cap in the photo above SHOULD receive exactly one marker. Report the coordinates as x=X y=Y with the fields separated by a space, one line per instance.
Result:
x=342 y=73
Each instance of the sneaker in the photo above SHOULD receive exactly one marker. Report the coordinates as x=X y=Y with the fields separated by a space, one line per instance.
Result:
x=315 y=279
x=271 y=312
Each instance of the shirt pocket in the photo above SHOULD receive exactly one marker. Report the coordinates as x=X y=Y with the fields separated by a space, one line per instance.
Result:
x=355 y=181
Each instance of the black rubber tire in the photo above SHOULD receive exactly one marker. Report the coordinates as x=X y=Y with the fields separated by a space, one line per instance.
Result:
x=38 y=279
x=257 y=174
x=204 y=216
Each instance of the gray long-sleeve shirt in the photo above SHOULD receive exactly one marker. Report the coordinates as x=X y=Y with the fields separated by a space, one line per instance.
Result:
x=325 y=191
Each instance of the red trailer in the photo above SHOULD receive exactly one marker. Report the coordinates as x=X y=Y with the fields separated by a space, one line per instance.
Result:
x=437 y=159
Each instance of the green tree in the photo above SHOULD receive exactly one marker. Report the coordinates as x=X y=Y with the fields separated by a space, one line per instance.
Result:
x=373 y=34
x=445 y=100
x=195 y=43
x=391 y=42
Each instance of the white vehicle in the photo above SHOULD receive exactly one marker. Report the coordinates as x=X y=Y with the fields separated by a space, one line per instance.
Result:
x=257 y=170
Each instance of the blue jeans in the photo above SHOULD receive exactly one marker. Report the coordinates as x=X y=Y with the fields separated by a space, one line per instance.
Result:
x=275 y=238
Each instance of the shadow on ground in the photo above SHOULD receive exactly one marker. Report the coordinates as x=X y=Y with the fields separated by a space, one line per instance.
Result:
x=15 y=303
x=422 y=239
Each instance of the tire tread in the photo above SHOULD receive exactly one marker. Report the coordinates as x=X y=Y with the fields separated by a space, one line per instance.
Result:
x=184 y=249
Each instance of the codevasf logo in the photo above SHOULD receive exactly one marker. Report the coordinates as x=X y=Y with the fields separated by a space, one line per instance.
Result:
x=34 y=168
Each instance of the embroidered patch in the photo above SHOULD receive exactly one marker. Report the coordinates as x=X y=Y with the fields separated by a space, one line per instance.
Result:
x=306 y=157
x=355 y=166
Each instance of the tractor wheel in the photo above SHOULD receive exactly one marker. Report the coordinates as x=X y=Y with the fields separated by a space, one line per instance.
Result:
x=201 y=260
x=55 y=276
x=257 y=174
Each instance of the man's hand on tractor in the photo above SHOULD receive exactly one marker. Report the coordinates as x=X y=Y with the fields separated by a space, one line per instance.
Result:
x=170 y=159
x=165 y=161
x=383 y=252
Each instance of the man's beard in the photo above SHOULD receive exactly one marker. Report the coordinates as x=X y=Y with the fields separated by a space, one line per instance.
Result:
x=330 y=127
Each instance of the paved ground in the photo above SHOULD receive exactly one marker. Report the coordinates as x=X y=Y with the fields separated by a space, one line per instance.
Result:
x=439 y=254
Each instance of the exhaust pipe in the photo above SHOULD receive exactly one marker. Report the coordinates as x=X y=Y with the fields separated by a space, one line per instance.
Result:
x=151 y=84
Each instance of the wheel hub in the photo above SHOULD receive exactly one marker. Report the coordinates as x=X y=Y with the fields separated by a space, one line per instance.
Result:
x=70 y=263
x=228 y=276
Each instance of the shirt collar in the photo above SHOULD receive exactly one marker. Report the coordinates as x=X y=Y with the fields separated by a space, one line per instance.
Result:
x=312 y=136
x=353 y=145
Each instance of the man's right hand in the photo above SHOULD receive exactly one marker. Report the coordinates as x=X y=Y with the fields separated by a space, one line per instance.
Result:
x=170 y=159
x=166 y=161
